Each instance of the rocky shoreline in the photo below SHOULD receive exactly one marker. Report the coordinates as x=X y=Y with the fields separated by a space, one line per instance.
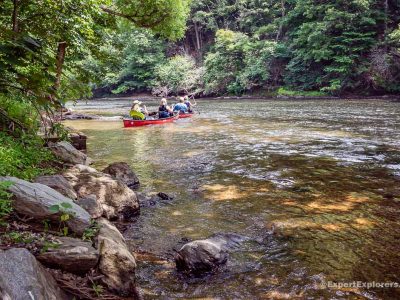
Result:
x=63 y=240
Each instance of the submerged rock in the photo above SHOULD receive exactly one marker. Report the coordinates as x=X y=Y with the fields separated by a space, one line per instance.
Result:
x=68 y=153
x=123 y=172
x=206 y=255
x=35 y=200
x=115 y=198
x=58 y=183
x=23 y=277
x=70 y=254
x=117 y=263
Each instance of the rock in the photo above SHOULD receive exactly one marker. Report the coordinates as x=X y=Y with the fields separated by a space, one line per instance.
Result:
x=115 y=197
x=91 y=205
x=116 y=263
x=72 y=255
x=68 y=154
x=58 y=183
x=206 y=255
x=78 y=116
x=22 y=277
x=123 y=172
x=164 y=196
x=35 y=199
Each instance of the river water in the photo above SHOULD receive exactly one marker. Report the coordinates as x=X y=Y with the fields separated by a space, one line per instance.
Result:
x=314 y=184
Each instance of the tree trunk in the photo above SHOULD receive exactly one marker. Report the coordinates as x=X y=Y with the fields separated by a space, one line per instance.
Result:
x=59 y=63
x=15 y=16
x=278 y=35
x=386 y=9
x=196 y=30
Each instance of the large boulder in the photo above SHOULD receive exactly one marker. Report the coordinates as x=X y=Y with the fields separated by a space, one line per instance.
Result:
x=23 y=277
x=202 y=256
x=91 y=205
x=70 y=254
x=117 y=263
x=123 y=172
x=114 y=196
x=59 y=183
x=35 y=200
x=68 y=153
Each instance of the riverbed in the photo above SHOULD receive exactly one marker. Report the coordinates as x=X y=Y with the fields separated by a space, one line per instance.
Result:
x=315 y=184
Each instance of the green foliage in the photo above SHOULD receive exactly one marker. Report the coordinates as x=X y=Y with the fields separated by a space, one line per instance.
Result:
x=91 y=231
x=17 y=237
x=128 y=61
x=237 y=63
x=19 y=109
x=49 y=245
x=5 y=201
x=25 y=157
x=63 y=210
x=98 y=289
x=282 y=91
x=178 y=75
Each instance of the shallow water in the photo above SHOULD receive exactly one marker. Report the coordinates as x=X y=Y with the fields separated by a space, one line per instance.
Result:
x=316 y=184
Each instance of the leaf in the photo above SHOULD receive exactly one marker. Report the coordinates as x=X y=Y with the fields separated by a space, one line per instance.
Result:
x=54 y=208
x=66 y=205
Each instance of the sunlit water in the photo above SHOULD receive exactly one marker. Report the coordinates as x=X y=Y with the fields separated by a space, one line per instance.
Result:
x=315 y=184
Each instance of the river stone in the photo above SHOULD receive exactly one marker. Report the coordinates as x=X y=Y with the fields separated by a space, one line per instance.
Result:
x=72 y=255
x=115 y=197
x=35 y=199
x=59 y=183
x=91 y=205
x=117 y=263
x=22 y=277
x=207 y=255
x=123 y=172
x=68 y=153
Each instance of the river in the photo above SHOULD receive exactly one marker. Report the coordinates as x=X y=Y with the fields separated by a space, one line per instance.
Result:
x=314 y=183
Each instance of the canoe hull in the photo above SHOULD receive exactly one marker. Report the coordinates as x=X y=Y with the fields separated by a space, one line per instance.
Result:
x=187 y=115
x=138 y=123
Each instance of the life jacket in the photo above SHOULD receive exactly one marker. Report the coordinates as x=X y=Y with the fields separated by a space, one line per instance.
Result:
x=136 y=115
x=162 y=108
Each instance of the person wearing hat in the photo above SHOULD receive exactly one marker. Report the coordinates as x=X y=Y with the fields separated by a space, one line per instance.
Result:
x=137 y=112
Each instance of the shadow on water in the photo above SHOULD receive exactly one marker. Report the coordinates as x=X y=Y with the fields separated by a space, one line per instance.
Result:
x=315 y=185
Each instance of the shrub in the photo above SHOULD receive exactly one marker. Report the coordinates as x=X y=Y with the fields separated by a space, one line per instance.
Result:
x=24 y=158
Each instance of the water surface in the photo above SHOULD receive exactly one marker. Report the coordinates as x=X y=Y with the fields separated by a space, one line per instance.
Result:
x=315 y=184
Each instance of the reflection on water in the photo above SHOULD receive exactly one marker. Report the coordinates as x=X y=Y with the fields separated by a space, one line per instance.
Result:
x=314 y=183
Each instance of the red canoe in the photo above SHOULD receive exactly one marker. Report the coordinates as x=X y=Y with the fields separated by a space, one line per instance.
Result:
x=185 y=115
x=137 y=123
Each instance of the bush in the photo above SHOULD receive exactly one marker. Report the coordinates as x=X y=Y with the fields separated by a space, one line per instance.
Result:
x=178 y=75
x=19 y=109
x=291 y=93
x=25 y=157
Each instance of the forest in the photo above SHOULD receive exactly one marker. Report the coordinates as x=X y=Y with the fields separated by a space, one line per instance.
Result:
x=298 y=47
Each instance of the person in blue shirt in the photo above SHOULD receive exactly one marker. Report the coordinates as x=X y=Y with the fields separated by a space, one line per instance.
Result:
x=181 y=106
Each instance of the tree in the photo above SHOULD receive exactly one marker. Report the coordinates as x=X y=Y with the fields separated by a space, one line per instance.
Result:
x=178 y=75
x=43 y=42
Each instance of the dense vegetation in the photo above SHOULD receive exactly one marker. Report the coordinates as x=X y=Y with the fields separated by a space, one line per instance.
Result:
x=331 y=47
x=53 y=51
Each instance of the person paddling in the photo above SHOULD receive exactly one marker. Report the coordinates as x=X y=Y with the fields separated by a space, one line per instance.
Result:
x=181 y=106
x=137 y=112
x=164 y=111
x=189 y=104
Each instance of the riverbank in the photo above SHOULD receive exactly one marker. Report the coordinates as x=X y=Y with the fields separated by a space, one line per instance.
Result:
x=63 y=222
x=261 y=96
